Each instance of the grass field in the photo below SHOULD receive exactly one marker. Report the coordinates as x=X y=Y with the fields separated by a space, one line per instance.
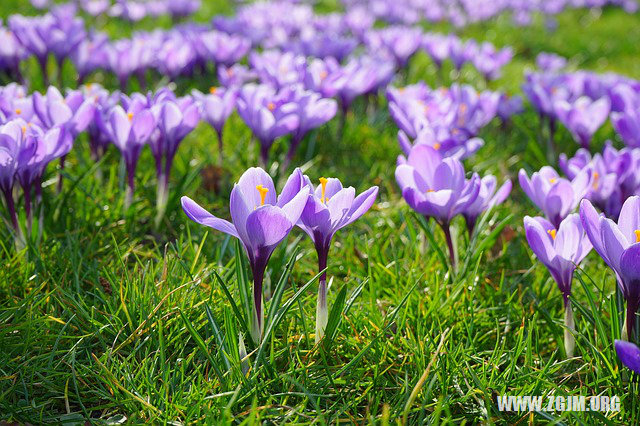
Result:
x=109 y=318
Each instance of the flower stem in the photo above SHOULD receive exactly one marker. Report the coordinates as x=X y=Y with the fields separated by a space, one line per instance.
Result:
x=220 y=148
x=322 y=311
x=446 y=228
x=570 y=328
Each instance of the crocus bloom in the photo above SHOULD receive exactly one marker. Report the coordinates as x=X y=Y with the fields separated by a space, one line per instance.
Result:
x=627 y=125
x=583 y=117
x=329 y=209
x=129 y=131
x=550 y=62
x=269 y=114
x=628 y=354
x=436 y=187
x=489 y=196
x=215 y=108
x=313 y=111
x=555 y=196
x=618 y=245
x=560 y=250
x=260 y=220
x=175 y=119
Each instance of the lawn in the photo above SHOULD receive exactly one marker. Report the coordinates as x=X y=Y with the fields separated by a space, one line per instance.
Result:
x=109 y=318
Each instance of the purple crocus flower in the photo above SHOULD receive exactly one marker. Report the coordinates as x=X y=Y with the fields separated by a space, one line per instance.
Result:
x=175 y=119
x=556 y=197
x=618 y=245
x=329 y=209
x=436 y=187
x=10 y=141
x=33 y=34
x=628 y=354
x=269 y=114
x=90 y=55
x=442 y=140
x=560 y=250
x=627 y=125
x=221 y=48
x=279 y=69
x=236 y=75
x=583 y=117
x=400 y=42
x=260 y=220
x=313 y=111
x=550 y=62
x=129 y=130
x=215 y=108
x=489 y=196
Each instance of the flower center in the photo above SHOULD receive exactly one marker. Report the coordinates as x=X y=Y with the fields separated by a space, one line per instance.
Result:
x=130 y=116
x=263 y=193
x=323 y=183
x=18 y=111
x=24 y=129
x=431 y=190
x=323 y=74
x=553 y=180
x=552 y=232
x=271 y=106
x=637 y=232
x=596 y=179
x=213 y=90
x=436 y=146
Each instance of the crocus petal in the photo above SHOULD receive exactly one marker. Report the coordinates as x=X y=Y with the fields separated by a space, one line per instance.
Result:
x=629 y=221
x=629 y=354
x=267 y=226
x=539 y=240
x=361 y=205
x=203 y=217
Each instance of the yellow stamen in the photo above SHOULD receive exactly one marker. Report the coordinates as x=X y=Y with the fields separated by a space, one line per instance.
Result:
x=130 y=115
x=18 y=111
x=24 y=129
x=596 y=179
x=271 y=106
x=263 y=193
x=431 y=190
x=637 y=232
x=552 y=232
x=553 y=180
x=436 y=146
x=323 y=183
x=462 y=109
x=213 y=90
x=323 y=74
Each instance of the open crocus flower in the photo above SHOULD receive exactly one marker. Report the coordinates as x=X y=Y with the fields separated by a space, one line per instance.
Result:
x=555 y=196
x=329 y=209
x=261 y=220
x=583 y=117
x=619 y=246
x=129 y=131
x=436 y=187
x=269 y=115
x=440 y=139
x=489 y=196
x=628 y=354
x=560 y=250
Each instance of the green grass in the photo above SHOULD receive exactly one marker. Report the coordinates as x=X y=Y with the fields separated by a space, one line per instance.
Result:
x=109 y=318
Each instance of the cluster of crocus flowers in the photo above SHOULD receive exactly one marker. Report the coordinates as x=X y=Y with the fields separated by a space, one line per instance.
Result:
x=560 y=249
x=25 y=151
x=437 y=188
x=261 y=219
x=555 y=196
x=614 y=175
